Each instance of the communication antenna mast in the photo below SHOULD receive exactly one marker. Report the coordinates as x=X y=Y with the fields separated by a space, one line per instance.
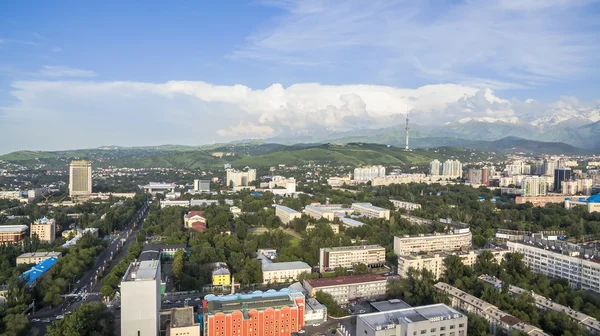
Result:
x=406 y=148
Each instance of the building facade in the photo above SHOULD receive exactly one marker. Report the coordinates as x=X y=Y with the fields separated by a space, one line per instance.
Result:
x=348 y=256
x=534 y=186
x=371 y=211
x=435 y=167
x=560 y=175
x=344 y=289
x=452 y=169
x=12 y=233
x=279 y=313
x=240 y=178
x=195 y=220
x=44 y=229
x=405 y=205
x=431 y=320
x=202 y=186
x=36 y=257
x=406 y=245
x=183 y=323
x=368 y=173
x=221 y=275
x=280 y=272
x=80 y=178
x=140 y=299
x=329 y=212
x=286 y=214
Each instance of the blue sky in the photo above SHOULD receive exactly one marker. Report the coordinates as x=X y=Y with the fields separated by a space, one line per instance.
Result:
x=258 y=69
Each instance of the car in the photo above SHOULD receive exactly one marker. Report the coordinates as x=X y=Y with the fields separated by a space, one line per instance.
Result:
x=59 y=317
x=46 y=320
x=316 y=324
x=35 y=320
x=301 y=331
x=362 y=311
x=78 y=281
x=187 y=299
x=178 y=301
x=67 y=313
x=198 y=299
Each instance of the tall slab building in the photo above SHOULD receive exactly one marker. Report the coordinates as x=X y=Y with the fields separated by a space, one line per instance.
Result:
x=80 y=178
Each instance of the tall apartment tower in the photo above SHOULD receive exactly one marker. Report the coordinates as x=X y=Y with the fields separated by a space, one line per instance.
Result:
x=534 y=186
x=560 y=175
x=80 y=178
x=44 y=229
x=435 y=167
x=452 y=168
x=140 y=299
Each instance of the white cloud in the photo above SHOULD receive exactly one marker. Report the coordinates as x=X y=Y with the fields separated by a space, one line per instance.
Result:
x=63 y=71
x=519 y=43
x=247 y=130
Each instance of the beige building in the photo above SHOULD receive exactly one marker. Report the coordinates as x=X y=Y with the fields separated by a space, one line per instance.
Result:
x=240 y=178
x=409 y=206
x=286 y=214
x=80 y=178
x=344 y=289
x=280 y=272
x=348 y=256
x=44 y=229
x=334 y=227
x=435 y=262
x=431 y=320
x=183 y=323
x=329 y=212
x=371 y=211
x=406 y=245
x=497 y=318
x=36 y=257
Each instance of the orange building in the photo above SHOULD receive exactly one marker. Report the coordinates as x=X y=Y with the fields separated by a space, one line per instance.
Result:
x=12 y=233
x=271 y=313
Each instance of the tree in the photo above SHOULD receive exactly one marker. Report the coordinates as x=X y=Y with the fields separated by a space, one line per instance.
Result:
x=178 y=262
x=360 y=268
x=486 y=264
x=16 y=325
x=90 y=319
x=476 y=325
x=454 y=269
x=106 y=291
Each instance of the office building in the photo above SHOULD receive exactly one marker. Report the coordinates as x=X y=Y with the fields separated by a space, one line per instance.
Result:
x=344 y=289
x=140 y=299
x=268 y=313
x=286 y=214
x=221 y=275
x=452 y=169
x=183 y=323
x=329 y=212
x=334 y=227
x=44 y=229
x=434 y=262
x=202 y=186
x=409 y=206
x=12 y=233
x=154 y=188
x=458 y=239
x=238 y=178
x=534 y=186
x=497 y=319
x=371 y=211
x=368 y=173
x=435 y=168
x=348 y=256
x=36 y=257
x=431 y=320
x=557 y=259
x=80 y=178
x=195 y=220
x=560 y=175
x=280 y=272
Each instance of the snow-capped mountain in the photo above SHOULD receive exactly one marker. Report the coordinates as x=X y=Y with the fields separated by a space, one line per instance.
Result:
x=511 y=120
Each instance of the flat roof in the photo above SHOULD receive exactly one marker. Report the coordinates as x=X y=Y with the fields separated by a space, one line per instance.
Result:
x=352 y=248
x=345 y=280
x=436 y=312
x=268 y=265
x=39 y=254
x=286 y=209
x=256 y=300
x=13 y=228
x=148 y=255
x=182 y=317
x=142 y=271
x=370 y=206
x=351 y=222
x=388 y=305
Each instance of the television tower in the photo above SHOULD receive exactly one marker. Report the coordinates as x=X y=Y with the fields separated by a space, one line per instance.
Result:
x=406 y=148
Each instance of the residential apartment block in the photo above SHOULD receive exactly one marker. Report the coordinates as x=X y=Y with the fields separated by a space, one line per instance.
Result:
x=371 y=211
x=286 y=214
x=406 y=245
x=348 y=256
x=368 y=173
x=435 y=262
x=44 y=229
x=405 y=205
x=431 y=320
x=344 y=289
x=36 y=257
x=140 y=299
x=278 y=272
x=269 y=313
x=497 y=318
x=240 y=178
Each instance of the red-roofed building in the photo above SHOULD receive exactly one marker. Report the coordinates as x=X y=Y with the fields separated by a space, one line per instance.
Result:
x=195 y=220
x=344 y=289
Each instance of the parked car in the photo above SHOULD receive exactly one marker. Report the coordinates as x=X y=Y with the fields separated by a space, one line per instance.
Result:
x=46 y=320
x=35 y=320
x=59 y=317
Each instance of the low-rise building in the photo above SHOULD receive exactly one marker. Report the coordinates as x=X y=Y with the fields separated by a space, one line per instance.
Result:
x=183 y=323
x=334 y=227
x=371 y=211
x=409 y=206
x=393 y=304
x=221 y=275
x=314 y=312
x=431 y=320
x=286 y=214
x=36 y=257
x=329 y=212
x=497 y=318
x=344 y=289
x=349 y=222
x=195 y=220
x=434 y=262
x=591 y=204
x=540 y=201
x=158 y=187
x=12 y=233
x=170 y=203
x=348 y=256
x=44 y=229
x=278 y=272
x=456 y=240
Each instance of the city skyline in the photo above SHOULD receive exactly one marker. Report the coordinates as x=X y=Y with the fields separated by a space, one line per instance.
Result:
x=117 y=74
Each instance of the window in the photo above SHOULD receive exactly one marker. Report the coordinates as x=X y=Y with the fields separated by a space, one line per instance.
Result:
x=442 y=328
x=452 y=326
x=461 y=325
x=432 y=330
x=423 y=331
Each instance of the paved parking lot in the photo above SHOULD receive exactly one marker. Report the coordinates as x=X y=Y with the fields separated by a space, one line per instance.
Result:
x=325 y=328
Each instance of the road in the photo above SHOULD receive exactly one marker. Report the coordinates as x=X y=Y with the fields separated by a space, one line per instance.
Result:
x=116 y=251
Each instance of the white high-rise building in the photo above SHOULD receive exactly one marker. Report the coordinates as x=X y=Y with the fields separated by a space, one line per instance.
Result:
x=80 y=178
x=452 y=169
x=435 y=167
x=534 y=186
x=202 y=185
x=368 y=173
x=140 y=299
x=240 y=178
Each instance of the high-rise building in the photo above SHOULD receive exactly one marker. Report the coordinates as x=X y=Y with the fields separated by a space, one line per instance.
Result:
x=278 y=313
x=561 y=174
x=485 y=176
x=44 y=229
x=452 y=169
x=80 y=178
x=549 y=165
x=435 y=167
x=474 y=176
x=368 y=173
x=202 y=185
x=140 y=299
x=240 y=178
x=534 y=186
x=577 y=187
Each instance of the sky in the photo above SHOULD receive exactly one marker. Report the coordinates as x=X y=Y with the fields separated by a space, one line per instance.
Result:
x=135 y=73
